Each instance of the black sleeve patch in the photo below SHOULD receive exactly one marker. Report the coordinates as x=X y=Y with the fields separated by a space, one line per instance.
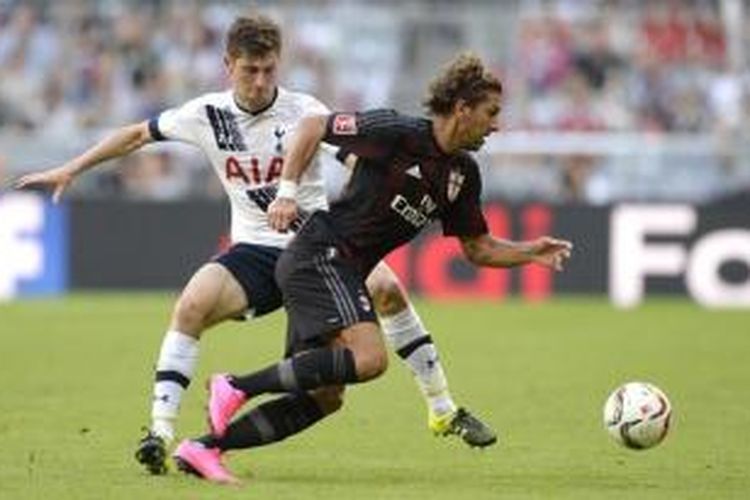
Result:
x=153 y=128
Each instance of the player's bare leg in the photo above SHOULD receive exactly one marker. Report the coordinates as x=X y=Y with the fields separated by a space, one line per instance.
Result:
x=212 y=295
x=408 y=337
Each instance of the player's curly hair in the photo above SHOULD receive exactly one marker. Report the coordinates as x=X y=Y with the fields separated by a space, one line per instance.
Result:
x=464 y=78
x=254 y=35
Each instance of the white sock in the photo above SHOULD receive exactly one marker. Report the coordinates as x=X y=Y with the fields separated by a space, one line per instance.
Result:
x=408 y=337
x=174 y=370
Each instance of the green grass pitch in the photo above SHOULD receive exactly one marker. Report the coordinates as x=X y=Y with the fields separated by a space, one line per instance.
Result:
x=77 y=373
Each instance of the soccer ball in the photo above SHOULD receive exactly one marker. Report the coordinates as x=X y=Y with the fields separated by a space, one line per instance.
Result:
x=637 y=415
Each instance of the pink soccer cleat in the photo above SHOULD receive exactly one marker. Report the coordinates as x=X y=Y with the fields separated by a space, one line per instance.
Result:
x=223 y=402
x=194 y=458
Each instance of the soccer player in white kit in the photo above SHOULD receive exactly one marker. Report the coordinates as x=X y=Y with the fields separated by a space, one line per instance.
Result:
x=243 y=131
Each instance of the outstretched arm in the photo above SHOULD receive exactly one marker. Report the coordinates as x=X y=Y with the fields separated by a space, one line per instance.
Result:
x=123 y=141
x=487 y=251
x=307 y=139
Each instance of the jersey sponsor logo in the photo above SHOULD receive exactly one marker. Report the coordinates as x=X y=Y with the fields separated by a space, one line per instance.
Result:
x=345 y=124
x=414 y=171
x=455 y=182
x=226 y=131
x=251 y=172
x=416 y=216
x=427 y=205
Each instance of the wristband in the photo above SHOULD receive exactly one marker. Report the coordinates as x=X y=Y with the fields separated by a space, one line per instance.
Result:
x=287 y=189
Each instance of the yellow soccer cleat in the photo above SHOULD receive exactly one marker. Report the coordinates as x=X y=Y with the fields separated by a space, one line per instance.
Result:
x=461 y=423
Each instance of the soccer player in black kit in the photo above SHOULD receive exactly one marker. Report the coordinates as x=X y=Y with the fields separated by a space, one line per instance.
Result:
x=410 y=171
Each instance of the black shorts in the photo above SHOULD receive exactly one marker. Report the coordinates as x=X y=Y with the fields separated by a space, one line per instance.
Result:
x=323 y=293
x=253 y=267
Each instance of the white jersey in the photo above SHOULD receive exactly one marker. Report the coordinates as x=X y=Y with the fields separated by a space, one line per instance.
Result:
x=246 y=151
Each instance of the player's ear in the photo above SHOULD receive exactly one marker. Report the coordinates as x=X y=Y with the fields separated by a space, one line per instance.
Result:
x=461 y=109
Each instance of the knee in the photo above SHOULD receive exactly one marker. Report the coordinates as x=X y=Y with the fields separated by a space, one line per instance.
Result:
x=387 y=295
x=366 y=343
x=189 y=316
x=371 y=364
x=330 y=399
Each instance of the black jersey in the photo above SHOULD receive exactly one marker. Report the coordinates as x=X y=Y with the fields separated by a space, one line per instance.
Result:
x=401 y=183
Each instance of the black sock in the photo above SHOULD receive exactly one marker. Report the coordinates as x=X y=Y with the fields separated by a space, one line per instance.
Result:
x=302 y=372
x=268 y=423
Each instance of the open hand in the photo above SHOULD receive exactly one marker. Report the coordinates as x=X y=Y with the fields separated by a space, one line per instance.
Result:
x=56 y=179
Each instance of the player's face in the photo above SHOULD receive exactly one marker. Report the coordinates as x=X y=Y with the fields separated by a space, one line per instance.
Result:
x=254 y=78
x=480 y=121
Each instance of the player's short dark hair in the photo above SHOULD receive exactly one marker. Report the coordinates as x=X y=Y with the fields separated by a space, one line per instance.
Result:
x=254 y=36
x=464 y=78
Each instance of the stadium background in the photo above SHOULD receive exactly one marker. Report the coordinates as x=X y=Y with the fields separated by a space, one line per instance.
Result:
x=608 y=102
x=624 y=130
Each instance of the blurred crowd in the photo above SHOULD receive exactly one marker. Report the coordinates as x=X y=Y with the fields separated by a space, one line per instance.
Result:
x=661 y=67
x=75 y=68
